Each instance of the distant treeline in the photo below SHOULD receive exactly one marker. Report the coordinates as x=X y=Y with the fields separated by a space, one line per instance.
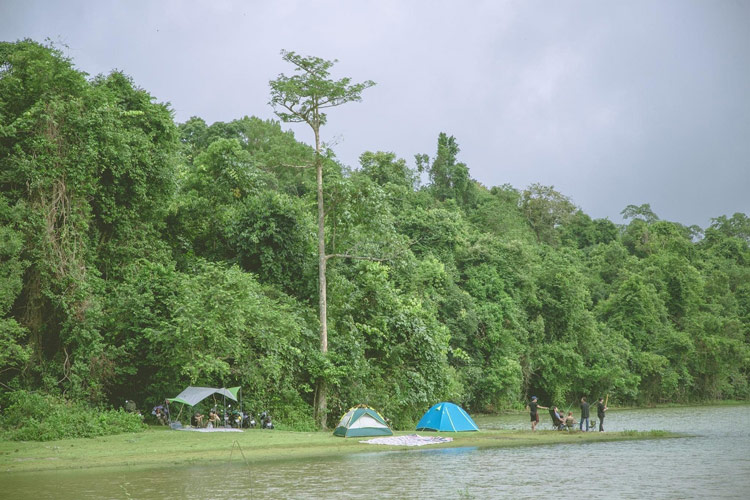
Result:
x=139 y=256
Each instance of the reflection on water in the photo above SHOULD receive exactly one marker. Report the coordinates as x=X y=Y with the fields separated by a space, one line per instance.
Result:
x=713 y=462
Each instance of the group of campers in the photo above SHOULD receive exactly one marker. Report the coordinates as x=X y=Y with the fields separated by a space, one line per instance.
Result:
x=228 y=417
x=232 y=418
x=560 y=421
x=226 y=412
x=213 y=420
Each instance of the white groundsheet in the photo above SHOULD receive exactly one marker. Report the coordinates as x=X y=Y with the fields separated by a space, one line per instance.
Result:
x=409 y=440
x=204 y=429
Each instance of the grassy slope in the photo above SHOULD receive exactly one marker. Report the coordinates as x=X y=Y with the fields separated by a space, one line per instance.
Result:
x=160 y=446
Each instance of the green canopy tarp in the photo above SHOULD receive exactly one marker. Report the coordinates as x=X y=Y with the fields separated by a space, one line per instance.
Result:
x=194 y=395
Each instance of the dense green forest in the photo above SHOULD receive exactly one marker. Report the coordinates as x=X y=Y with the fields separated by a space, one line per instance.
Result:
x=138 y=256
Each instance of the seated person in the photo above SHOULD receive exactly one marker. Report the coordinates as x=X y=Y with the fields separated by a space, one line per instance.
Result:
x=161 y=415
x=557 y=419
x=570 y=420
x=213 y=419
x=199 y=419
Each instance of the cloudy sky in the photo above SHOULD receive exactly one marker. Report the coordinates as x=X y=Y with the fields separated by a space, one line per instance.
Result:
x=612 y=102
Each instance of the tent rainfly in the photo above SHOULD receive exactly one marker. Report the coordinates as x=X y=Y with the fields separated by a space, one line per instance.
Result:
x=362 y=421
x=446 y=417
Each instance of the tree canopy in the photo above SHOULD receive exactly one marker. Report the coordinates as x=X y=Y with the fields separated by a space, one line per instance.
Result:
x=138 y=256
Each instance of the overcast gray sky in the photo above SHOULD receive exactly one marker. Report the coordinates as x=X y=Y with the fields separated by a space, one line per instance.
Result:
x=612 y=102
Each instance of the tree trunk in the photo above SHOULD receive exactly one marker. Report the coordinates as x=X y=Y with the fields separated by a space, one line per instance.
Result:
x=320 y=404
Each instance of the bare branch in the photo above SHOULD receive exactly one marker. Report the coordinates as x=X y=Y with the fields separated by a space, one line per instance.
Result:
x=66 y=367
x=294 y=166
x=357 y=257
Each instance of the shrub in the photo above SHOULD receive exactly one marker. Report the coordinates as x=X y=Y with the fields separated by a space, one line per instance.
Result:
x=43 y=417
x=295 y=421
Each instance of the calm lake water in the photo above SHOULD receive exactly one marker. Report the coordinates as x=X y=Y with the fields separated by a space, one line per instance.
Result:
x=713 y=463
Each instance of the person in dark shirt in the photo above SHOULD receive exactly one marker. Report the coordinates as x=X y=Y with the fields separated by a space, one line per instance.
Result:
x=600 y=409
x=534 y=413
x=584 y=414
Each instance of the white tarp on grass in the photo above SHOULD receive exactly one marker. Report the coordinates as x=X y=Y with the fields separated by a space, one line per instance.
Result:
x=205 y=429
x=410 y=440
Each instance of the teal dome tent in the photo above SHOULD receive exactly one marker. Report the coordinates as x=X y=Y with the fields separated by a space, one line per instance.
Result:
x=446 y=417
x=362 y=421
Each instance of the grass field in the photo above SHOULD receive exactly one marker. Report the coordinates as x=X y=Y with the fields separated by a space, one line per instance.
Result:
x=159 y=446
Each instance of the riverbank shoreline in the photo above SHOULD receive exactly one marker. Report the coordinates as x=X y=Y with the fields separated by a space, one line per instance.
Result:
x=612 y=406
x=161 y=447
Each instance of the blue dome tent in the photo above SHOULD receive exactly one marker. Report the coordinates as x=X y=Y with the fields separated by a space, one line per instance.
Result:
x=446 y=417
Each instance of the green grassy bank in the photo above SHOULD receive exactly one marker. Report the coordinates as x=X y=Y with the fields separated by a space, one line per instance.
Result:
x=160 y=446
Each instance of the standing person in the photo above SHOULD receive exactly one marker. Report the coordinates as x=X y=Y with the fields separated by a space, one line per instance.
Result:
x=584 y=414
x=534 y=413
x=600 y=409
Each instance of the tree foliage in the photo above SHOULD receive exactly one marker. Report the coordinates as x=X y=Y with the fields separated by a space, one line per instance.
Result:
x=138 y=256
